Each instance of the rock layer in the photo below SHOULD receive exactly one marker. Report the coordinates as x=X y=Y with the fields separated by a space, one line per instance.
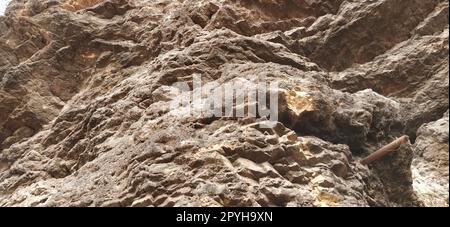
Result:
x=86 y=88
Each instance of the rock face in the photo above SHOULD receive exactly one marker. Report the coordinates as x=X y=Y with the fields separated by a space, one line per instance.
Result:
x=430 y=165
x=87 y=86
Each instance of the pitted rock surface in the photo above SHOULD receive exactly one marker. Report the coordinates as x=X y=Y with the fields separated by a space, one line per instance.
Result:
x=86 y=87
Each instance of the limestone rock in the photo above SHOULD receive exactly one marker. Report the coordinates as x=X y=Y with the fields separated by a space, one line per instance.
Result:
x=430 y=164
x=87 y=87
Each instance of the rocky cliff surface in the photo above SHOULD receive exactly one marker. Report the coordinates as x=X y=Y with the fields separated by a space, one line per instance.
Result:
x=86 y=87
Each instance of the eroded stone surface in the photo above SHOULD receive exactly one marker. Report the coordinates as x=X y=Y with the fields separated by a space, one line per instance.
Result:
x=430 y=165
x=86 y=87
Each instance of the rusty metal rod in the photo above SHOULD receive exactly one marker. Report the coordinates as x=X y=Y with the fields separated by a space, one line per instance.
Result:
x=385 y=150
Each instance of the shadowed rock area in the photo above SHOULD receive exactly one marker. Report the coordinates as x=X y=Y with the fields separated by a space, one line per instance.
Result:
x=86 y=88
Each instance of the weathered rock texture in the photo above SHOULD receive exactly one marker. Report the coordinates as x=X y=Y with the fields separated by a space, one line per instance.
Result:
x=85 y=88
x=430 y=164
